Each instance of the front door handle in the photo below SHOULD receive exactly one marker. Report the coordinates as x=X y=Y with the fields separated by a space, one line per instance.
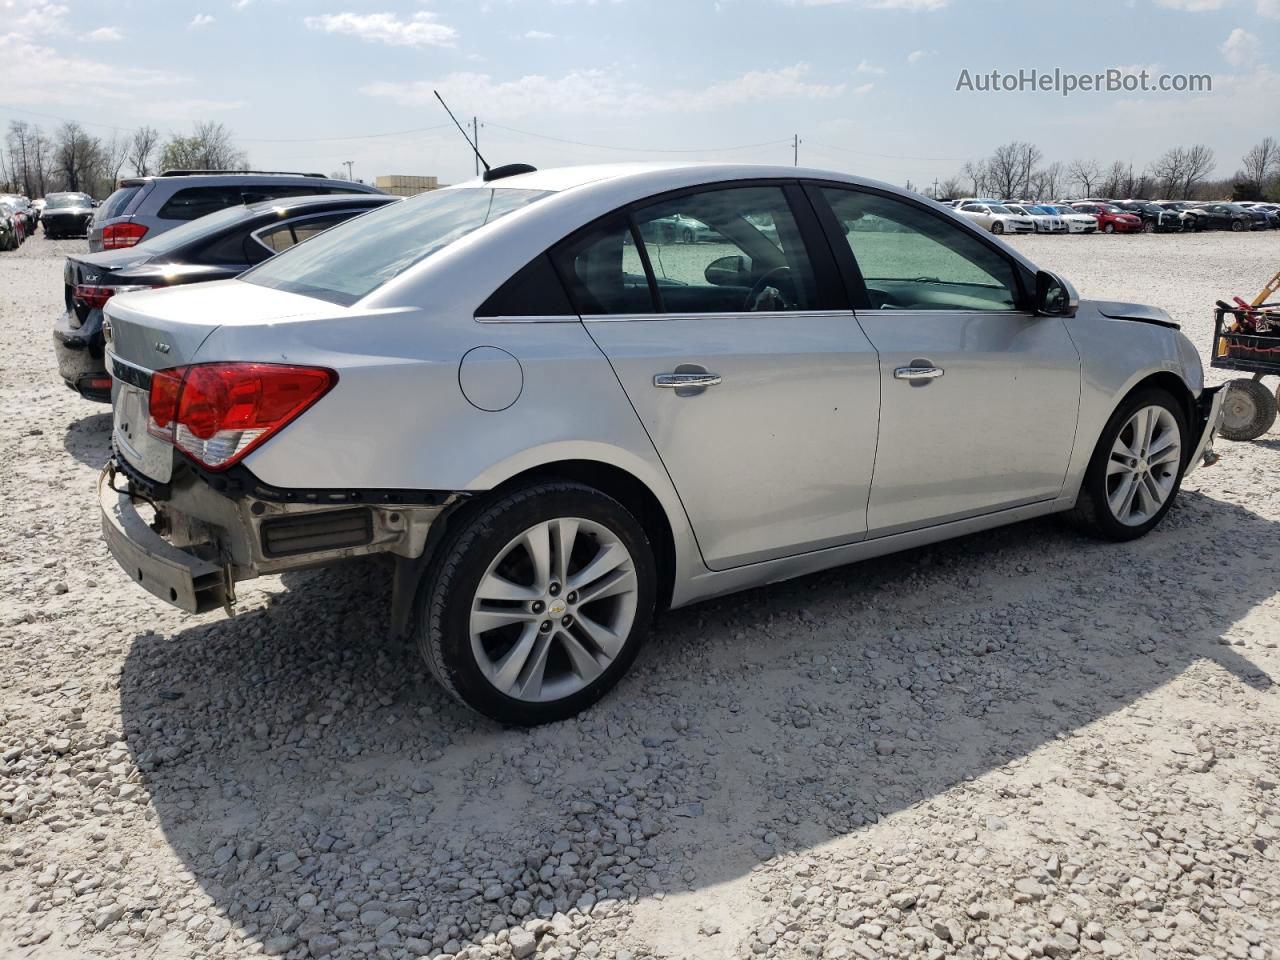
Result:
x=918 y=372
x=678 y=380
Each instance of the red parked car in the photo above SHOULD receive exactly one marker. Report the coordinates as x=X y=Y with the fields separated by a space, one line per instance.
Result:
x=1111 y=219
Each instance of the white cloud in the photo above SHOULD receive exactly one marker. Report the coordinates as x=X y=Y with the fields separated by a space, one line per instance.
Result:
x=912 y=6
x=1241 y=48
x=538 y=35
x=240 y=4
x=33 y=16
x=104 y=35
x=864 y=89
x=866 y=67
x=200 y=20
x=1193 y=6
x=600 y=91
x=418 y=30
x=915 y=56
x=1269 y=8
x=70 y=80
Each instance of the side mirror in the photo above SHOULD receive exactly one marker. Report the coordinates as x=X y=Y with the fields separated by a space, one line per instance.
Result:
x=1055 y=297
x=729 y=272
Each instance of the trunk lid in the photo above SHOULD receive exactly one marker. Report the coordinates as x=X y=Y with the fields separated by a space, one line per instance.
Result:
x=97 y=269
x=165 y=328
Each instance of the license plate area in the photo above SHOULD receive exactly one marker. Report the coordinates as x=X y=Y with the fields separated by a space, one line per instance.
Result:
x=148 y=455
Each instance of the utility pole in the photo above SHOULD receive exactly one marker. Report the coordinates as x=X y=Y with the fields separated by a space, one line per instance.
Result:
x=348 y=164
x=795 y=149
x=935 y=188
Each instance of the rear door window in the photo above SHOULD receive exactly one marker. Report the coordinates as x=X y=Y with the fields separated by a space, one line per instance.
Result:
x=114 y=205
x=191 y=203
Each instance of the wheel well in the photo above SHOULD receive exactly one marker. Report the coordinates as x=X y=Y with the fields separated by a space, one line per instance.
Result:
x=1172 y=384
x=627 y=490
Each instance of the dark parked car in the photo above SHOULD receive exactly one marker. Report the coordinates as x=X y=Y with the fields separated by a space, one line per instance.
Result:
x=216 y=247
x=10 y=231
x=1153 y=216
x=67 y=215
x=1230 y=216
x=1193 y=217
x=27 y=214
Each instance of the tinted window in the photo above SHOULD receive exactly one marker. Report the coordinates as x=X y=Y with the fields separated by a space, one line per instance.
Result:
x=912 y=259
x=115 y=204
x=67 y=200
x=284 y=235
x=194 y=202
x=354 y=259
x=727 y=251
x=179 y=236
x=603 y=271
x=535 y=291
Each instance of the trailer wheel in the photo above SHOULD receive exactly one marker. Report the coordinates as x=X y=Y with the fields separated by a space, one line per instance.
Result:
x=1248 y=411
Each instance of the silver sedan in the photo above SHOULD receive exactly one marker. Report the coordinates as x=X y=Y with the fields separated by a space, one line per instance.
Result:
x=555 y=419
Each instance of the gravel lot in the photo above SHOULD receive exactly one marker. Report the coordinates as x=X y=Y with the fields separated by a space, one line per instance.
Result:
x=1019 y=744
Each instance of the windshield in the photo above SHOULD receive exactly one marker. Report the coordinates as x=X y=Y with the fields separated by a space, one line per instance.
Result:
x=350 y=261
x=1234 y=207
x=997 y=208
x=1109 y=208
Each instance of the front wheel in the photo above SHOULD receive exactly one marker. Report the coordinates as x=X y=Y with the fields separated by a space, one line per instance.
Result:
x=1136 y=468
x=997 y=227
x=1109 y=228
x=1148 y=227
x=1236 y=226
x=1248 y=409
x=537 y=604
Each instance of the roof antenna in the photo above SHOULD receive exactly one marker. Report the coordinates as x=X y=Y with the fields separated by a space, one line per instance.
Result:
x=484 y=163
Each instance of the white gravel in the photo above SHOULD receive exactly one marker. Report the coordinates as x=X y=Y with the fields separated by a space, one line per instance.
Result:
x=1020 y=744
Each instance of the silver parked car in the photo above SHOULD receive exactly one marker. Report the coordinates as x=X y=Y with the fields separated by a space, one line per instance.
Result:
x=555 y=426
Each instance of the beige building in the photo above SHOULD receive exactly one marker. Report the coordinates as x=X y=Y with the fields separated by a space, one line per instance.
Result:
x=406 y=186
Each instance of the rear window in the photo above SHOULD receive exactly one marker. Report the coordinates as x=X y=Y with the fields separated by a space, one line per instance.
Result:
x=194 y=202
x=115 y=204
x=67 y=200
x=353 y=259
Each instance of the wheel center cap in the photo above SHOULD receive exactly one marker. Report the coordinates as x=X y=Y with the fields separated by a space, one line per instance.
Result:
x=556 y=607
x=1142 y=465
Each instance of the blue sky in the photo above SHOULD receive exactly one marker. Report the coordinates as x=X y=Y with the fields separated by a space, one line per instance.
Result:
x=868 y=85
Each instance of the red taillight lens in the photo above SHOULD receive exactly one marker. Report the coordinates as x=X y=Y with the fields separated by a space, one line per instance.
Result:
x=92 y=296
x=218 y=412
x=119 y=235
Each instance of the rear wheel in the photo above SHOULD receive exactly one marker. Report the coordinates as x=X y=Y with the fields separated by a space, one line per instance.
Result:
x=1136 y=468
x=538 y=603
x=1248 y=409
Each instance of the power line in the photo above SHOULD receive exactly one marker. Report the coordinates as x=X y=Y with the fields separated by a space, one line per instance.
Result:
x=885 y=156
x=605 y=146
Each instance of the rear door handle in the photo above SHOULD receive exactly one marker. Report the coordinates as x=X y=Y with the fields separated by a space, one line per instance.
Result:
x=678 y=380
x=918 y=373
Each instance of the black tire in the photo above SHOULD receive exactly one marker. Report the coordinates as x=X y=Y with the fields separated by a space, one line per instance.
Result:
x=686 y=236
x=1148 y=227
x=1236 y=226
x=472 y=543
x=997 y=227
x=1109 y=228
x=1248 y=410
x=1092 y=513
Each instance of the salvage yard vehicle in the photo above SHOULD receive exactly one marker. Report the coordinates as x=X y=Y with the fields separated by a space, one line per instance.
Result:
x=1155 y=218
x=1045 y=219
x=555 y=427
x=1192 y=217
x=1076 y=221
x=1227 y=216
x=67 y=215
x=145 y=207
x=1111 y=219
x=997 y=218
x=10 y=227
x=221 y=245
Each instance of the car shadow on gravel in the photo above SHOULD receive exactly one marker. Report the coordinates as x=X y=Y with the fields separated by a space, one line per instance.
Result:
x=317 y=784
x=88 y=439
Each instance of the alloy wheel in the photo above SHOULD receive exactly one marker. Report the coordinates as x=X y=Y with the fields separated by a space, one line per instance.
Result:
x=553 y=610
x=1143 y=467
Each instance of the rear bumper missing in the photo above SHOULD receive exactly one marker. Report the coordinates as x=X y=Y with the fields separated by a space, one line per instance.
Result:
x=200 y=543
x=175 y=576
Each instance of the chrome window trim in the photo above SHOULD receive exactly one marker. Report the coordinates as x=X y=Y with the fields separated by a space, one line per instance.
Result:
x=543 y=318
x=639 y=317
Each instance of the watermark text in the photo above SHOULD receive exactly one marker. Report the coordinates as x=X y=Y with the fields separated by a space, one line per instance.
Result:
x=1113 y=80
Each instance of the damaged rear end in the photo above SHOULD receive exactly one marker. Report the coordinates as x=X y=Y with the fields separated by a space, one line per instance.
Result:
x=181 y=511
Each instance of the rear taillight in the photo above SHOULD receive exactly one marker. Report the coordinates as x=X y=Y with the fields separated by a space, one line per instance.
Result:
x=119 y=235
x=218 y=412
x=95 y=296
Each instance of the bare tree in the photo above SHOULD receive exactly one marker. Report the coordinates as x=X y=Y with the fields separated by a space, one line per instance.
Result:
x=1199 y=164
x=210 y=147
x=1084 y=174
x=1046 y=181
x=142 y=149
x=21 y=139
x=1011 y=166
x=1169 y=171
x=951 y=187
x=975 y=171
x=1260 y=163
x=76 y=156
x=114 y=154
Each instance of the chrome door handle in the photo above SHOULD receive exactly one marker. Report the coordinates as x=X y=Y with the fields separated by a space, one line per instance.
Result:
x=677 y=380
x=918 y=373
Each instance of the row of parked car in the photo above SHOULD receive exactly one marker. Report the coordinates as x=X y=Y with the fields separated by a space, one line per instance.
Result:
x=1099 y=215
x=182 y=227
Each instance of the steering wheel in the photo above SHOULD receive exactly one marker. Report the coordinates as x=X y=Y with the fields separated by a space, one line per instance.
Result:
x=778 y=277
